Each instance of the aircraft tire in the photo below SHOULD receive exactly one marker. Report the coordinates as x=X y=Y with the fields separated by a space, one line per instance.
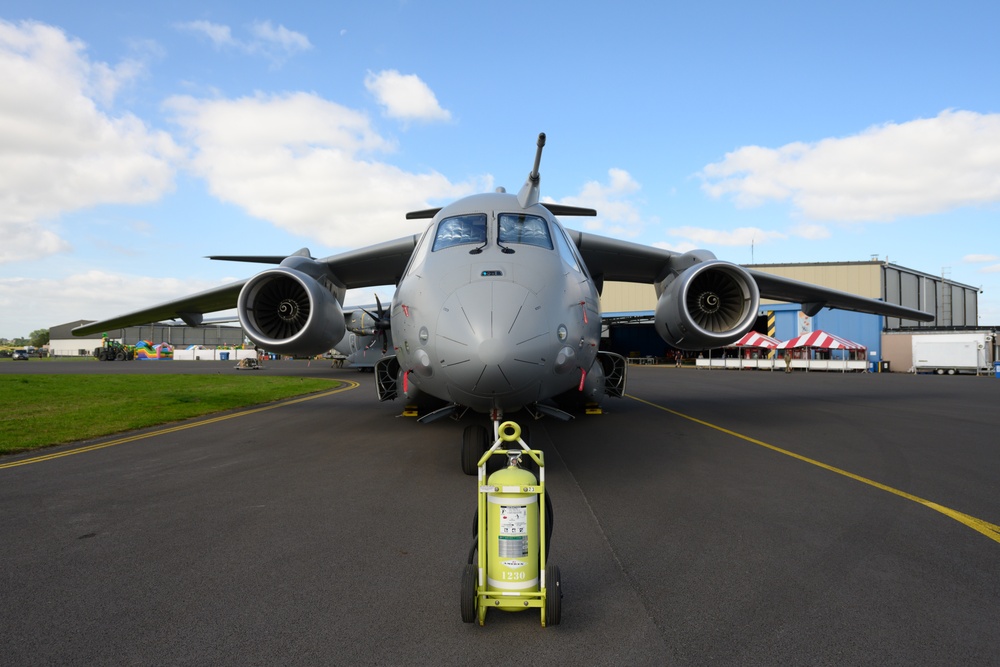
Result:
x=469 y=593
x=473 y=446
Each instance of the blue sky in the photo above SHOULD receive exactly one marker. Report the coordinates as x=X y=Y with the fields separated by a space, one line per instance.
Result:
x=137 y=139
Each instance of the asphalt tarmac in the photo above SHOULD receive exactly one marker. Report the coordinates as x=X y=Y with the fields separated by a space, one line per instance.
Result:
x=709 y=518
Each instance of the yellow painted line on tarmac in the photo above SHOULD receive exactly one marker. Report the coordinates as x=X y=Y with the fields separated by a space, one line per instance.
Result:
x=990 y=530
x=351 y=384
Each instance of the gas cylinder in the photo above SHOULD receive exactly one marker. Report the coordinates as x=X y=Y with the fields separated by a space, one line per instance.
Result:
x=512 y=530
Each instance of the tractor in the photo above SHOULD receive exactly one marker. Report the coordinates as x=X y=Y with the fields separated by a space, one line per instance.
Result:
x=112 y=350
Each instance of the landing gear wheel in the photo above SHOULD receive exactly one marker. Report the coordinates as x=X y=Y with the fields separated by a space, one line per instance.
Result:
x=553 y=596
x=473 y=445
x=951 y=371
x=469 y=593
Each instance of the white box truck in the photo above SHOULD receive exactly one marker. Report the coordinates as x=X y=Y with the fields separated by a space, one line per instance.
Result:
x=951 y=353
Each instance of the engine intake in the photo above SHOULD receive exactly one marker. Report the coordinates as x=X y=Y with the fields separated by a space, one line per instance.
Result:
x=710 y=304
x=287 y=311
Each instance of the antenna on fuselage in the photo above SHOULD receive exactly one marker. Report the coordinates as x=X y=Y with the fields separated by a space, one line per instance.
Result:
x=528 y=196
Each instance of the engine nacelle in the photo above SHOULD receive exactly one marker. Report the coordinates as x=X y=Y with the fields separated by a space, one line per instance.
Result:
x=287 y=311
x=710 y=304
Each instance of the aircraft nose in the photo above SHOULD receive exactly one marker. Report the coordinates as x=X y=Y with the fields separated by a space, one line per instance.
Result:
x=492 y=335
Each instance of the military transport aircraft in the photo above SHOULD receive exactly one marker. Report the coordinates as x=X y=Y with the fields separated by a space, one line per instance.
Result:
x=496 y=308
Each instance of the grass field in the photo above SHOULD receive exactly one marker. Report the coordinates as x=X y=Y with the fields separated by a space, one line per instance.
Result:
x=41 y=410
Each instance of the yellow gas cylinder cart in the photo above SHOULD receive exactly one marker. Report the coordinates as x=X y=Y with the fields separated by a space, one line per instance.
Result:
x=510 y=572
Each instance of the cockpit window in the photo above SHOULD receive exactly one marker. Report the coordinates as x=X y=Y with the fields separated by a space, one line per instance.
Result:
x=460 y=230
x=526 y=229
x=567 y=251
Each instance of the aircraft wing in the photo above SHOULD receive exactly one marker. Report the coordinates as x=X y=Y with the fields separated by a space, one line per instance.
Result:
x=379 y=264
x=613 y=259
x=624 y=261
x=813 y=298
x=188 y=309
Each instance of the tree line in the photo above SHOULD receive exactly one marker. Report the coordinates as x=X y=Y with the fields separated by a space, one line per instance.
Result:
x=36 y=338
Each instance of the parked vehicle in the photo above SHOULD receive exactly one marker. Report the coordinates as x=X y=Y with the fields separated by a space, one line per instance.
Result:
x=112 y=350
x=952 y=353
x=20 y=355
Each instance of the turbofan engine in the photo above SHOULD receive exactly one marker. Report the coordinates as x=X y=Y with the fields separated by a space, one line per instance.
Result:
x=288 y=311
x=710 y=304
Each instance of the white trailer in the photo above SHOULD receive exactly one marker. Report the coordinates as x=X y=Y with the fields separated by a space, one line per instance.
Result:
x=952 y=353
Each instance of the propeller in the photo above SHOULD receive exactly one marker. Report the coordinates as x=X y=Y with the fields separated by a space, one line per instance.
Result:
x=381 y=324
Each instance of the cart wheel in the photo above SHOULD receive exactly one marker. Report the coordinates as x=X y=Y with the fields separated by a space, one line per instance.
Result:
x=553 y=595
x=469 y=594
x=473 y=550
x=549 y=520
x=473 y=446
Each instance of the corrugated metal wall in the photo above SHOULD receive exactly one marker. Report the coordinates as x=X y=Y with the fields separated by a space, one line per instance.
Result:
x=953 y=304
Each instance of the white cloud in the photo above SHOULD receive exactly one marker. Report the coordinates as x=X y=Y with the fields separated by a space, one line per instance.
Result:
x=676 y=247
x=617 y=211
x=306 y=164
x=281 y=37
x=741 y=236
x=277 y=44
x=221 y=36
x=23 y=241
x=980 y=259
x=83 y=296
x=59 y=151
x=405 y=96
x=919 y=167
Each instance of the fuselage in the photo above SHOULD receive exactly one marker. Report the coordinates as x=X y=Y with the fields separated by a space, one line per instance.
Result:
x=496 y=309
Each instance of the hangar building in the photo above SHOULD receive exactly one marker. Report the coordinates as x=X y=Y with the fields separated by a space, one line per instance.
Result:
x=630 y=307
x=62 y=343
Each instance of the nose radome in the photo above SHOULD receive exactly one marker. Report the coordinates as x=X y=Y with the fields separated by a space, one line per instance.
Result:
x=491 y=334
x=492 y=351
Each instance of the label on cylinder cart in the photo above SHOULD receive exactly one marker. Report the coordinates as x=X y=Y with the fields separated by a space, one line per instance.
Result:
x=513 y=529
x=513 y=520
x=513 y=546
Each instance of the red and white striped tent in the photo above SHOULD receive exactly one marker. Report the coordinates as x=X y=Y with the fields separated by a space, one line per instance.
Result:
x=822 y=340
x=755 y=339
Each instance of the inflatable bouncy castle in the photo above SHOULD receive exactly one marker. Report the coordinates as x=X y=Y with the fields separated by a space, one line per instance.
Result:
x=146 y=351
